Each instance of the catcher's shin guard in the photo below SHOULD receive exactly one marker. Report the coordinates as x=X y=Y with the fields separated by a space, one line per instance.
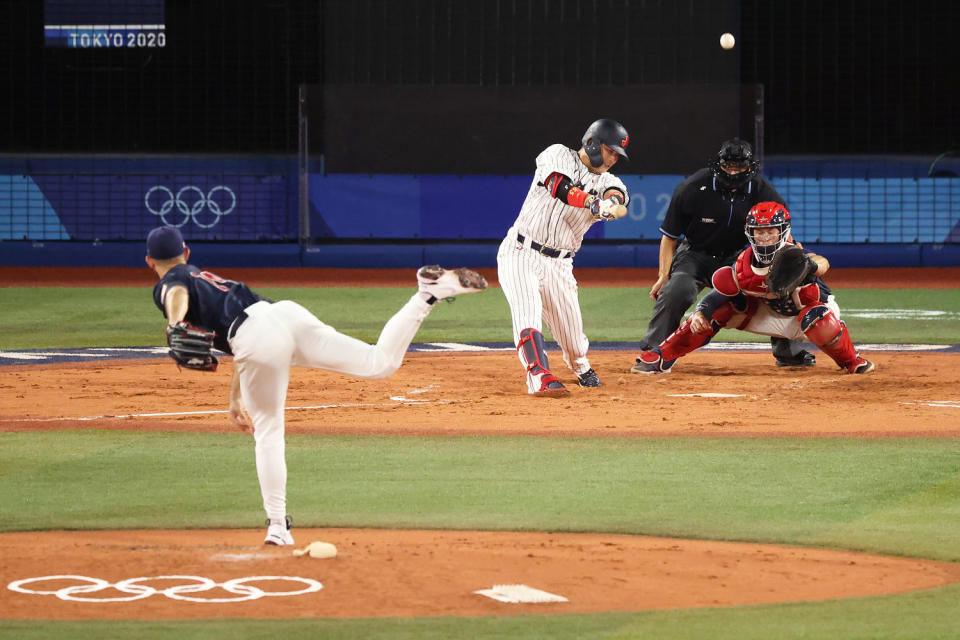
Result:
x=824 y=329
x=531 y=349
x=683 y=340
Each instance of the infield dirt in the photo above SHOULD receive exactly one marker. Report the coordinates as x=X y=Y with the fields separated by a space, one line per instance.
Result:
x=421 y=573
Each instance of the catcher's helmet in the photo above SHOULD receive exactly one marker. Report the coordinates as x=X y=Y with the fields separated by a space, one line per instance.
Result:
x=736 y=155
x=608 y=132
x=765 y=215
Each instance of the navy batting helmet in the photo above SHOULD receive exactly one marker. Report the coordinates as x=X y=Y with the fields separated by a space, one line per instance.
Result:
x=608 y=132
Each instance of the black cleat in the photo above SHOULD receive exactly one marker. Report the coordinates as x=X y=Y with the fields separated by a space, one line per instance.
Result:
x=802 y=359
x=589 y=378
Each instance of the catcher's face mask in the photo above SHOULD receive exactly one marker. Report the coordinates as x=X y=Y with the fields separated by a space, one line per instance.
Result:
x=767 y=229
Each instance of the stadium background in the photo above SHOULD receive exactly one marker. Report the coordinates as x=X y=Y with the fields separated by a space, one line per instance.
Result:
x=859 y=117
x=422 y=119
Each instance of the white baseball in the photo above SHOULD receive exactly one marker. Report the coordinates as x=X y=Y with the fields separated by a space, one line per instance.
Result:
x=727 y=41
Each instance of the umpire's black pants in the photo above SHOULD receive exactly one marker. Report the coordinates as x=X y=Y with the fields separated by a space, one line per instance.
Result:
x=690 y=273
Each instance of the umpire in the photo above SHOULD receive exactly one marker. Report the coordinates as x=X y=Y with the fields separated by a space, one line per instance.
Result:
x=708 y=210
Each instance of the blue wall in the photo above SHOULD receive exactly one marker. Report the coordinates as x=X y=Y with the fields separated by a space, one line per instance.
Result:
x=97 y=210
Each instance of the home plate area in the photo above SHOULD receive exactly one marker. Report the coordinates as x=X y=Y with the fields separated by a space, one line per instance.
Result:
x=519 y=593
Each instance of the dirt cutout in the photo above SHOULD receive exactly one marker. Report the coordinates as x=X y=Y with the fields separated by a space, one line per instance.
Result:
x=381 y=573
x=706 y=394
x=430 y=573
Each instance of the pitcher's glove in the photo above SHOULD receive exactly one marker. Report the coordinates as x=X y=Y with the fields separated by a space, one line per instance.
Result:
x=790 y=269
x=190 y=346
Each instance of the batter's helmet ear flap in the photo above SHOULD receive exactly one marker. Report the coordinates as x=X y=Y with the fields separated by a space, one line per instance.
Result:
x=608 y=132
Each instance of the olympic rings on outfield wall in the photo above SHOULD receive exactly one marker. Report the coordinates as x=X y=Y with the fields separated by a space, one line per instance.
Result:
x=138 y=590
x=191 y=211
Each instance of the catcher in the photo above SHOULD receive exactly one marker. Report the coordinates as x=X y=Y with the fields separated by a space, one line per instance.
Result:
x=774 y=289
x=204 y=311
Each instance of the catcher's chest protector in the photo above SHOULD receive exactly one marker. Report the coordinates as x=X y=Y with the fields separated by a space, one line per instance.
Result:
x=750 y=282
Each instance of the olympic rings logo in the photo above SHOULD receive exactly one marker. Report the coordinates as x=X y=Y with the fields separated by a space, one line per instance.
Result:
x=137 y=590
x=191 y=201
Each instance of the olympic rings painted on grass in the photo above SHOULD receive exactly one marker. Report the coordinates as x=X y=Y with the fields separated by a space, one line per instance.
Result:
x=137 y=590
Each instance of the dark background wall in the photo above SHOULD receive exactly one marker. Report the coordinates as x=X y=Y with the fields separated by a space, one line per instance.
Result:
x=839 y=76
x=499 y=130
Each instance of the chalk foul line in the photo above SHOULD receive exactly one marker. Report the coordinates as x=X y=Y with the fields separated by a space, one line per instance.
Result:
x=951 y=404
x=398 y=401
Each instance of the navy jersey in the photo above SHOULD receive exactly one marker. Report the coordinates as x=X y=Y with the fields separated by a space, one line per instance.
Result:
x=215 y=302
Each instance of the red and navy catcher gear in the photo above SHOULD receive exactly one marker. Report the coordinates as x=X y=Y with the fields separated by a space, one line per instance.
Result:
x=608 y=132
x=766 y=215
x=824 y=329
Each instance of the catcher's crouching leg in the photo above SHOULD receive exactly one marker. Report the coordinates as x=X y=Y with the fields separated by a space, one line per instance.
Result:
x=531 y=349
x=660 y=359
x=683 y=340
x=824 y=329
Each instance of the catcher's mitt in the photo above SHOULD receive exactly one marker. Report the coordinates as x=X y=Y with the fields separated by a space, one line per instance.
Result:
x=190 y=346
x=790 y=269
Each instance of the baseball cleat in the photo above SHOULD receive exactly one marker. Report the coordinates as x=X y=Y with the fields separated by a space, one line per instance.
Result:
x=551 y=387
x=446 y=283
x=278 y=532
x=860 y=366
x=651 y=363
x=802 y=359
x=589 y=378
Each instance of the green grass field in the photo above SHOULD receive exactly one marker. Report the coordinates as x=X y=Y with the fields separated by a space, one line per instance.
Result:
x=892 y=496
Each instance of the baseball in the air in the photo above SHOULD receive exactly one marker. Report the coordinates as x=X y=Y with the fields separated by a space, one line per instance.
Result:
x=727 y=41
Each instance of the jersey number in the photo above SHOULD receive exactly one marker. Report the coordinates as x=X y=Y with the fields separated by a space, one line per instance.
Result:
x=213 y=280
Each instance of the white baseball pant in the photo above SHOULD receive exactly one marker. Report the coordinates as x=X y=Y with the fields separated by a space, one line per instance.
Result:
x=542 y=289
x=278 y=335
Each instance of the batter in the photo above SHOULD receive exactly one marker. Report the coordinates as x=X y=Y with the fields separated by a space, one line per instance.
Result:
x=571 y=190
x=267 y=337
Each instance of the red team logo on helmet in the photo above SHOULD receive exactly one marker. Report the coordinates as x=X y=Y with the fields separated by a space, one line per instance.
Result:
x=605 y=132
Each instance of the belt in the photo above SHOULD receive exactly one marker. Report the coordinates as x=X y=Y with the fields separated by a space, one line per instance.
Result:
x=542 y=249
x=232 y=330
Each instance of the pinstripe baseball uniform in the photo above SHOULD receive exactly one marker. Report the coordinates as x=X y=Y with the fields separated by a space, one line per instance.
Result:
x=539 y=287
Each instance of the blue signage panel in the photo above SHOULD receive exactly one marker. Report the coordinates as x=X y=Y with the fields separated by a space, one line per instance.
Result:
x=53 y=203
x=481 y=207
x=649 y=199
x=123 y=207
x=364 y=206
x=104 y=24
